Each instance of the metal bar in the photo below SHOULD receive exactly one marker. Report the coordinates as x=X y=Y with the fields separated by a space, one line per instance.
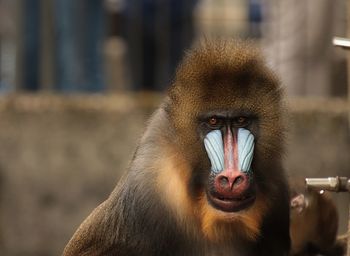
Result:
x=335 y=184
x=342 y=42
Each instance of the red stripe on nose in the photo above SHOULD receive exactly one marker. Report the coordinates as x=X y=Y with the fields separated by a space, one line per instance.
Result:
x=230 y=151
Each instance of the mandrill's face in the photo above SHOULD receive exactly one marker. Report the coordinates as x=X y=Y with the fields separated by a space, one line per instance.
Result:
x=227 y=115
x=229 y=145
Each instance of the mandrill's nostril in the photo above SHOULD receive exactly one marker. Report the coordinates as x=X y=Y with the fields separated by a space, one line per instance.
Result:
x=224 y=182
x=238 y=180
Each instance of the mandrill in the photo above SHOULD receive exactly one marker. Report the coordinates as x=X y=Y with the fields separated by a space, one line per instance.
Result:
x=207 y=176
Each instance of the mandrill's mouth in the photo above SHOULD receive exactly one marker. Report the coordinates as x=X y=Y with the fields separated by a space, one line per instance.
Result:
x=231 y=203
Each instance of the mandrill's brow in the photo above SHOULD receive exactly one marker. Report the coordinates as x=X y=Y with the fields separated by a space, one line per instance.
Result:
x=226 y=114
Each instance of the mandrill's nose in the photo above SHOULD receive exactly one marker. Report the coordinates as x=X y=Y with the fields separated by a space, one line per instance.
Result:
x=231 y=184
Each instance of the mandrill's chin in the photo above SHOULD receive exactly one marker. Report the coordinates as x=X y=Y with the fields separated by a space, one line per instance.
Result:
x=218 y=224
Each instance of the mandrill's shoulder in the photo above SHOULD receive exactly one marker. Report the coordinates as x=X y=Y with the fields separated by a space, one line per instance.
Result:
x=88 y=239
x=160 y=130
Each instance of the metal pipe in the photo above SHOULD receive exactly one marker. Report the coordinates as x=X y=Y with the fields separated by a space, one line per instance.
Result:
x=335 y=184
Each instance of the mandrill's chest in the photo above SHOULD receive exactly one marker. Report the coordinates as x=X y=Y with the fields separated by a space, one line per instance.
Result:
x=203 y=250
x=217 y=250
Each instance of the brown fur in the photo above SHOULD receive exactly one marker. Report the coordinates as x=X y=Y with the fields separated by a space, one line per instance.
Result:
x=160 y=206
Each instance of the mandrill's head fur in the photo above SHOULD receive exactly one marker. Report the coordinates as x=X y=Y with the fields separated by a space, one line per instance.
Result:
x=226 y=86
x=228 y=75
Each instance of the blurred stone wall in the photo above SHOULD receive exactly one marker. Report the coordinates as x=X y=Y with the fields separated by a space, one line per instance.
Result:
x=62 y=156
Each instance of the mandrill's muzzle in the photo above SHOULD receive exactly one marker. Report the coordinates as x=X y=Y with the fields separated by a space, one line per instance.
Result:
x=231 y=156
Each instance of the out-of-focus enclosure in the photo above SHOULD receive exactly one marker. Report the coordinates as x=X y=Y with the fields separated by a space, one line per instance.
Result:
x=79 y=79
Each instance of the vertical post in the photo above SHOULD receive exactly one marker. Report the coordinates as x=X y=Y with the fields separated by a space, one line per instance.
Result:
x=348 y=70
x=31 y=44
x=348 y=75
x=47 y=45
x=348 y=236
x=19 y=44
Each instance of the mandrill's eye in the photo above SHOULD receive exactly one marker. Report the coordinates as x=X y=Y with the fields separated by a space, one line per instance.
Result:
x=241 y=121
x=214 y=122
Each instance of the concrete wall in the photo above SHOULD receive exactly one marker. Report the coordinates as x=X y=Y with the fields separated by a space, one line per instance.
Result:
x=61 y=156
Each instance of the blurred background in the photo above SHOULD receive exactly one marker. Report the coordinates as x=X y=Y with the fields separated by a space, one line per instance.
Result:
x=79 y=79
